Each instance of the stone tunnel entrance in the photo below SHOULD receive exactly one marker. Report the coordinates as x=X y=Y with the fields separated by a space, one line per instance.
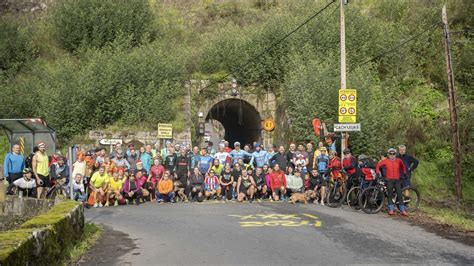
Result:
x=239 y=121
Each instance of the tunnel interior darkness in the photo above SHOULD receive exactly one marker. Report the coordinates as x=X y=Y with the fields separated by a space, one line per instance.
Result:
x=240 y=120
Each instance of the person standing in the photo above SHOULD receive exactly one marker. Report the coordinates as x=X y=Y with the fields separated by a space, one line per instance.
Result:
x=205 y=162
x=410 y=162
x=310 y=153
x=13 y=167
x=394 y=168
x=41 y=169
x=279 y=158
x=222 y=155
x=238 y=153
x=259 y=156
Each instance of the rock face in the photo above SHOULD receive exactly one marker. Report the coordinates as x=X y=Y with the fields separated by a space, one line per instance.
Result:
x=14 y=211
x=23 y=6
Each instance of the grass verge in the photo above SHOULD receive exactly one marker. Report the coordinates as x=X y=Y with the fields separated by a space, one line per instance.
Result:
x=92 y=233
x=460 y=218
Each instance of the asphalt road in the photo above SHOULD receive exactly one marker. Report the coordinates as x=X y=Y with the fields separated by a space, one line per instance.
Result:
x=263 y=233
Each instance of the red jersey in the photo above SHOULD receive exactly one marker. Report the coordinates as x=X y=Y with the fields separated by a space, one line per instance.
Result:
x=335 y=165
x=277 y=179
x=393 y=168
x=349 y=165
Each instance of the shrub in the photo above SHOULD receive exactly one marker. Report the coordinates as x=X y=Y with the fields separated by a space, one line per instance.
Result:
x=94 y=23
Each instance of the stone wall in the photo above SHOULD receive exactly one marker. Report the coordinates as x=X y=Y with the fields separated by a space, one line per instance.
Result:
x=44 y=239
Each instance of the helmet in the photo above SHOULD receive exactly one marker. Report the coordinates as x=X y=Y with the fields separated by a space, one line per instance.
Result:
x=362 y=157
x=323 y=149
x=27 y=170
x=346 y=150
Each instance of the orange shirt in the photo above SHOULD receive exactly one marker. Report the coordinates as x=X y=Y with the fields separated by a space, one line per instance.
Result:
x=165 y=186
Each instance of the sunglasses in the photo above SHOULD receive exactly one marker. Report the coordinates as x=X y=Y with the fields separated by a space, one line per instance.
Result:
x=392 y=153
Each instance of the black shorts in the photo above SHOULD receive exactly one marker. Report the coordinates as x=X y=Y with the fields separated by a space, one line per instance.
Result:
x=46 y=181
x=244 y=190
x=322 y=182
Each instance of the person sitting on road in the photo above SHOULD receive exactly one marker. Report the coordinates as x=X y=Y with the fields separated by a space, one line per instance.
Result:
x=245 y=187
x=227 y=180
x=165 y=189
x=26 y=185
x=212 y=187
x=394 y=168
x=115 y=191
x=98 y=184
x=132 y=190
x=294 y=182
x=260 y=184
x=278 y=183
x=197 y=185
x=78 y=189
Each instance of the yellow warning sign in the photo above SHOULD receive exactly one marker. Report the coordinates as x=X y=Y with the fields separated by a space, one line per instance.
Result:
x=347 y=106
x=165 y=131
x=268 y=124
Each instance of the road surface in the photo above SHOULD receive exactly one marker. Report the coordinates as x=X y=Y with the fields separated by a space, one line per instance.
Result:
x=263 y=233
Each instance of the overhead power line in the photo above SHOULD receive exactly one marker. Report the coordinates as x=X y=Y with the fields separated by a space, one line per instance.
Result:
x=273 y=45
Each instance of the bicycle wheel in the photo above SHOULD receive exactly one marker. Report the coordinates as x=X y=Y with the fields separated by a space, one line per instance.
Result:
x=353 y=198
x=56 y=193
x=335 y=194
x=411 y=198
x=371 y=200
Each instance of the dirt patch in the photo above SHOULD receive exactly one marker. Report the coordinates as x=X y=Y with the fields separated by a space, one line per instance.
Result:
x=443 y=230
x=107 y=250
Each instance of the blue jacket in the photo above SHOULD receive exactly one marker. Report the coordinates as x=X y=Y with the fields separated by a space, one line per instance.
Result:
x=14 y=164
x=260 y=158
x=236 y=155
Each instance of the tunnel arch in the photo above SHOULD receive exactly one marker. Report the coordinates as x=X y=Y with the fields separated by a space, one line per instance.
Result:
x=240 y=119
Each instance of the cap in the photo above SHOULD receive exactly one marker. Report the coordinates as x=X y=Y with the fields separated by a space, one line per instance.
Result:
x=236 y=143
x=392 y=150
x=41 y=144
x=257 y=145
x=346 y=150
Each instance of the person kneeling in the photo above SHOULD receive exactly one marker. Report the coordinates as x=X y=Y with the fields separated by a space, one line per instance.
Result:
x=245 y=187
x=197 y=182
x=294 y=182
x=165 y=189
x=26 y=186
x=114 y=194
x=132 y=190
x=211 y=186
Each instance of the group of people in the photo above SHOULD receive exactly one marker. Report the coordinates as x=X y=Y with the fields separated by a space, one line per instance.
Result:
x=181 y=172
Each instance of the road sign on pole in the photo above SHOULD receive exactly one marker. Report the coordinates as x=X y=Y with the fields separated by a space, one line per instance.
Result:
x=165 y=131
x=346 y=127
x=347 y=106
x=110 y=141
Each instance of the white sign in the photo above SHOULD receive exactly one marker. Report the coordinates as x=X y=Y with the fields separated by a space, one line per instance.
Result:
x=110 y=141
x=346 y=127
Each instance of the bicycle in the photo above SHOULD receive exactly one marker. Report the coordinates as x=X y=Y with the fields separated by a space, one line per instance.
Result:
x=336 y=191
x=372 y=199
x=58 y=190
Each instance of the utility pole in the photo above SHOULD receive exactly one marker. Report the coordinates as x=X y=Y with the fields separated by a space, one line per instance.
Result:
x=343 y=66
x=452 y=108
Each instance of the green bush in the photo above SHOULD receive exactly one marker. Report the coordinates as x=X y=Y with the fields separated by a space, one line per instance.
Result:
x=94 y=23
x=16 y=48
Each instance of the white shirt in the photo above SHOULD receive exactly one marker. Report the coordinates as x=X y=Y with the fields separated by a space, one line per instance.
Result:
x=24 y=184
x=222 y=157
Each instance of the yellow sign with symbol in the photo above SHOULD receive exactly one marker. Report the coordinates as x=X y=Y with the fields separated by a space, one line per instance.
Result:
x=268 y=124
x=347 y=106
x=165 y=131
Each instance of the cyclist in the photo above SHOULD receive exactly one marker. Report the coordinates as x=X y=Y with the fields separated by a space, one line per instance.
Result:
x=259 y=156
x=334 y=167
x=322 y=163
x=260 y=184
x=278 y=183
x=245 y=187
x=349 y=163
x=227 y=181
x=237 y=153
x=13 y=166
x=367 y=169
x=205 y=162
x=26 y=185
x=197 y=185
x=410 y=162
x=211 y=185
x=393 y=168
x=41 y=169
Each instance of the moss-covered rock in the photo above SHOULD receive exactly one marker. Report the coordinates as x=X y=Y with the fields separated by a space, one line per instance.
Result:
x=43 y=239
